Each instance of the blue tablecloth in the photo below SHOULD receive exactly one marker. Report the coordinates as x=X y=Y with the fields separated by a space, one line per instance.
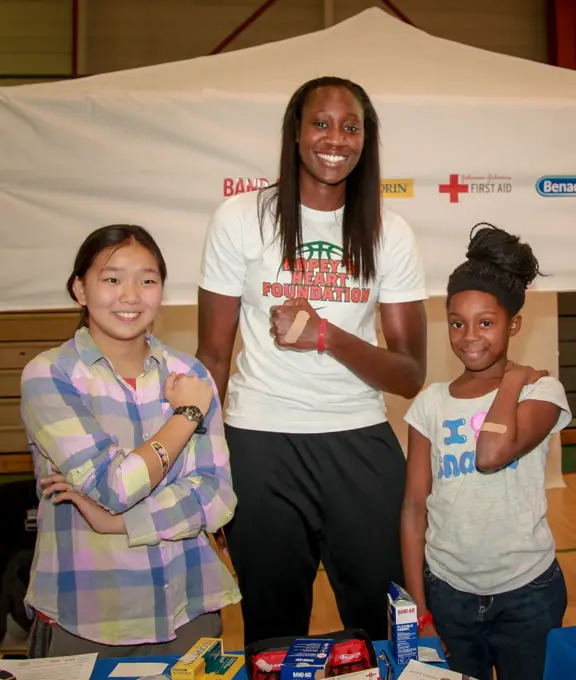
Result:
x=560 y=657
x=561 y=654
x=104 y=667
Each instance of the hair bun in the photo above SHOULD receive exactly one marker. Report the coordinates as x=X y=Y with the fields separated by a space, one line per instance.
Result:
x=497 y=248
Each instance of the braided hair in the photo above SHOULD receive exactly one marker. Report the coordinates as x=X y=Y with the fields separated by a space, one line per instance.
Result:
x=497 y=263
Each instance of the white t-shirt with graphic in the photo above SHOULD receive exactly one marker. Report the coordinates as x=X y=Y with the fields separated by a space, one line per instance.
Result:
x=487 y=533
x=285 y=390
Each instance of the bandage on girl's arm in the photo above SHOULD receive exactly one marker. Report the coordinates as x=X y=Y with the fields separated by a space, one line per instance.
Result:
x=512 y=428
x=498 y=428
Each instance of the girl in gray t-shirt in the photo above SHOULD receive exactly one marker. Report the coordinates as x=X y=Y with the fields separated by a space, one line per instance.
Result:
x=478 y=553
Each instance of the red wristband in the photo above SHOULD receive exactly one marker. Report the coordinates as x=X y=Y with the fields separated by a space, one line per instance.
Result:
x=322 y=334
x=425 y=620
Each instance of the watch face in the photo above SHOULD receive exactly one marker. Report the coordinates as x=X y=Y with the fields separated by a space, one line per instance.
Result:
x=192 y=413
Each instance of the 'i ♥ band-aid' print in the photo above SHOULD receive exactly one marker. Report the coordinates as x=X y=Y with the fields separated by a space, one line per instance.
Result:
x=477 y=421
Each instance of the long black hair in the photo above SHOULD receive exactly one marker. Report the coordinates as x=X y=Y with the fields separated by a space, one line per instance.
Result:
x=361 y=225
x=113 y=236
x=497 y=263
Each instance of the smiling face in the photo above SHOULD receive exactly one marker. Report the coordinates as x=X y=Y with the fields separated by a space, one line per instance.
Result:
x=480 y=329
x=331 y=138
x=122 y=291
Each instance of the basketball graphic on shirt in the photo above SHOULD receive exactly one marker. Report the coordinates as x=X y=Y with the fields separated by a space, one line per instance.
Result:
x=321 y=250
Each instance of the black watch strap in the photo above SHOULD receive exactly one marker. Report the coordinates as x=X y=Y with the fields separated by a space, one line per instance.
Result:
x=192 y=414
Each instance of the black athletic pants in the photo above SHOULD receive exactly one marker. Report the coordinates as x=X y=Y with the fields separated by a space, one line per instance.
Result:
x=303 y=498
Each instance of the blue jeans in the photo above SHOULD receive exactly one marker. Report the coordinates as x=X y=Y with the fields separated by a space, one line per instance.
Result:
x=506 y=631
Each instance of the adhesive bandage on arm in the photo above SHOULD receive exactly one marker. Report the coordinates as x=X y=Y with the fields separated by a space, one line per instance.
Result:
x=494 y=427
x=297 y=327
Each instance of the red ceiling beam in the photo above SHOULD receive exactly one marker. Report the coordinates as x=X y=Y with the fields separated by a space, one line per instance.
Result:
x=398 y=12
x=243 y=26
x=562 y=33
x=75 y=11
x=256 y=14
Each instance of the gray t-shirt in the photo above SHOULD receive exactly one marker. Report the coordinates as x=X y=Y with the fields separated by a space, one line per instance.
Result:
x=487 y=533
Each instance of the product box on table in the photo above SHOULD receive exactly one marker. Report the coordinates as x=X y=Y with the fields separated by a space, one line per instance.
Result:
x=206 y=659
x=307 y=659
x=403 y=625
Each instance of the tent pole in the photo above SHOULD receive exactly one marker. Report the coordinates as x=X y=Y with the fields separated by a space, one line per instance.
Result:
x=329 y=13
x=74 y=65
x=243 y=26
x=562 y=33
x=392 y=7
x=79 y=13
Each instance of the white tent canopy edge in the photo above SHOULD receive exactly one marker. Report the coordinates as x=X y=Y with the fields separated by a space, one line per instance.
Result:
x=163 y=145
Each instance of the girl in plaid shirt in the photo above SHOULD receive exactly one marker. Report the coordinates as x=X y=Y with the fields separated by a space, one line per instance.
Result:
x=132 y=465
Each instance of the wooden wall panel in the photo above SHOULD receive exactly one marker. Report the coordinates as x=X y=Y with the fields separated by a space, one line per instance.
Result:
x=567 y=355
x=23 y=335
x=42 y=325
x=135 y=33
x=10 y=382
x=138 y=32
x=35 y=37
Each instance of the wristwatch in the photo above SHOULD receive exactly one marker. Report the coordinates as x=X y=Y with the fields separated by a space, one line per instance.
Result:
x=193 y=414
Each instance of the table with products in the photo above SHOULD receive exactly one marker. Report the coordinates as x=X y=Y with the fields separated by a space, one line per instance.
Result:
x=104 y=667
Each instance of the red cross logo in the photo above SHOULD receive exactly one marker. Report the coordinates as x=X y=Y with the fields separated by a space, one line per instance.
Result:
x=453 y=188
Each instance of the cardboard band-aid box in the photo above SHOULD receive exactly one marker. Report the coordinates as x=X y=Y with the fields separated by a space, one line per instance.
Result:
x=206 y=660
x=307 y=659
x=403 y=624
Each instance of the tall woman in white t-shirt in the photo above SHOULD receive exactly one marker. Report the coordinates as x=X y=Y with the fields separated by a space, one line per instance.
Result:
x=317 y=469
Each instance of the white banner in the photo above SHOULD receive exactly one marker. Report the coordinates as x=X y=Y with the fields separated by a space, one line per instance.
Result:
x=139 y=147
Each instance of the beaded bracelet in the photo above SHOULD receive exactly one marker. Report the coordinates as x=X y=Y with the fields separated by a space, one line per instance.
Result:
x=163 y=456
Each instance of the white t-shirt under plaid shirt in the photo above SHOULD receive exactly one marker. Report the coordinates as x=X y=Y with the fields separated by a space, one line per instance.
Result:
x=84 y=420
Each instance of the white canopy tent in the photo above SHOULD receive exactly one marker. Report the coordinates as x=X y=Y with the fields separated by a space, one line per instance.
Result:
x=162 y=146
